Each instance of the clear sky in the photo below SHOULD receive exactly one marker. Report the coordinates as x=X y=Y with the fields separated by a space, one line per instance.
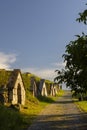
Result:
x=34 y=33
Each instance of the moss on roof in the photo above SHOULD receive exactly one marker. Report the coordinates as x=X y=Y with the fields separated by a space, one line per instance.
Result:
x=27 y=79
x=4 y=77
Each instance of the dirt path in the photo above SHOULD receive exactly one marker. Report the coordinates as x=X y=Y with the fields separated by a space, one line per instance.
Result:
x=62 y=115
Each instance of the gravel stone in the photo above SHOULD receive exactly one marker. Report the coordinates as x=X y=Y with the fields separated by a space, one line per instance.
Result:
x=61 y=115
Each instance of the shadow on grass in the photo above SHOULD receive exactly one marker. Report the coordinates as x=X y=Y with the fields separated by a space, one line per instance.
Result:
x=45 y=99
x=10 y=119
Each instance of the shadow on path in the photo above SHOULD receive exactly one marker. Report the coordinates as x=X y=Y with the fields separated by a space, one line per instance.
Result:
x=62 y=115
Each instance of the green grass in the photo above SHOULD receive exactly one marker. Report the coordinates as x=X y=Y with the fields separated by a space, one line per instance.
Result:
x=82 y=105
x=60 y=93
x=45 y=99
x=10 y=119
x=13 y=119
x=32 y=109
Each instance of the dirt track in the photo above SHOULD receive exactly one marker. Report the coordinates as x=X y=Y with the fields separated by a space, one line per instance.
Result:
x=61 y=115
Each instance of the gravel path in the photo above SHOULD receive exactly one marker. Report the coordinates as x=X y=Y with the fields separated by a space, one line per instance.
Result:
x=61 y=115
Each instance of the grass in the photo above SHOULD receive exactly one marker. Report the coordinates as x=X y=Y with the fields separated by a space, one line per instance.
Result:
x=60 y=93
x=30 y=112
x=82 y=105
x=13 y=119
x=10 y=119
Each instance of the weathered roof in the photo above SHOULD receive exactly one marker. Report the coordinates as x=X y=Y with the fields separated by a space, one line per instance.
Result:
x=4 y=77
x=8 y=77
x=13 y=77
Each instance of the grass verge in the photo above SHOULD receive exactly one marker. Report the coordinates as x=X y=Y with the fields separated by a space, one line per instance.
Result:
x=82 y=105
x=13 y=119
x=10 y=119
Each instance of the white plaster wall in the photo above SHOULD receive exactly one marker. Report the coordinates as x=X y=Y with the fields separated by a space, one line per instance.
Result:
x=15 y=97
x=44 y=89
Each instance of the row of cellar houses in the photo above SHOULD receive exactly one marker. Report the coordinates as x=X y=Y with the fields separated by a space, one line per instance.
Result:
x=14 y=84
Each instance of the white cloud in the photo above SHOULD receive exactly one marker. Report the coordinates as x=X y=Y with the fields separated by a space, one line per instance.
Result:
x=46 y=73
x=59 y=65
x=43 y=73
x=6 y=60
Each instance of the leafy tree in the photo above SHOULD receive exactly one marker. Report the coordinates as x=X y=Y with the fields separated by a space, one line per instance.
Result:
x=83 y=17
x=75 y=57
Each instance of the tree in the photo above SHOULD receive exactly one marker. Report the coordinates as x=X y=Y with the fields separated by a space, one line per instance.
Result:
x=75 y=57
x=83 y=17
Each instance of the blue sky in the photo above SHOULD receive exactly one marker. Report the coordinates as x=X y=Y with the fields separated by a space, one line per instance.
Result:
x=34 y=33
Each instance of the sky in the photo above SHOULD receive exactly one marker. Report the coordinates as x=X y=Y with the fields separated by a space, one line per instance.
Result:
x=34 y=34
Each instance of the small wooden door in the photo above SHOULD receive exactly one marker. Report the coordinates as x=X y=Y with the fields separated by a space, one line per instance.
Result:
x=19 y=93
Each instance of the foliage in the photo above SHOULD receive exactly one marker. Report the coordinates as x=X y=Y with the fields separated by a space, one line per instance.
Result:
x=83 y=17
x=75 y=57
